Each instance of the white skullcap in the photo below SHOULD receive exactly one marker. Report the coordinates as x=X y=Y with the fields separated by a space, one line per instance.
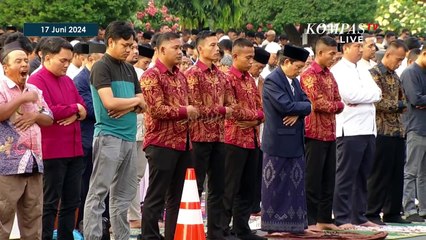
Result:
x=74 y=42
x=272 y=47
x=311 y=53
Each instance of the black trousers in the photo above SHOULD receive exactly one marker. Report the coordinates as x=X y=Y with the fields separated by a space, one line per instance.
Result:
x=167 y=169
x=355 y=157
x=240 y=172
x=385 y=185
x=320 y=177
x=209 y=158
x=258 y=186
x=61 y=181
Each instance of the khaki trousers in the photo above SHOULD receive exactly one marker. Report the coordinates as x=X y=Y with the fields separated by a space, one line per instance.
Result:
x=22 y=194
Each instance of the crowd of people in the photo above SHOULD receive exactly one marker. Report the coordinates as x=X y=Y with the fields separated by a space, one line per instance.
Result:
x=322 y=137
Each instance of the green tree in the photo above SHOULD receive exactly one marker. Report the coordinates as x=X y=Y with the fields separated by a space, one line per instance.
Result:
x=97 y=11
x=283 y=12
x=201 y=13
x=398 y=14
x=292 y=16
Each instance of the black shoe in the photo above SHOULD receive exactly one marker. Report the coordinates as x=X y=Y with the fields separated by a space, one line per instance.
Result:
x=139 y=237
x=377 y=221
x=231 y=237
x=415 y=218
x=396 y=219
x=251 y=237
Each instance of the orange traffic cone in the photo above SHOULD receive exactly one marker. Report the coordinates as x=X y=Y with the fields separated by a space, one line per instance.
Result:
x=190 y=221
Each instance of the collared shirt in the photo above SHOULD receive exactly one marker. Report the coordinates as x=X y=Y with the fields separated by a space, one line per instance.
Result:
x=321 y=87
x=359 y=92
x=19 y=150
x=402 y=67
x=72 y=71
x=389 y=108
x=266 y=71
x=62 y=97
x=247 y=106
x=363 y=64
x=414 y=83
x=139 y=72
x=166 y=120
x=207 y=92
x=120 y=76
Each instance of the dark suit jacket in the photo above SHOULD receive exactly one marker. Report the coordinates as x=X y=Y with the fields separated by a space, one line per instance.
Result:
x=278 y=102
x=82 y=83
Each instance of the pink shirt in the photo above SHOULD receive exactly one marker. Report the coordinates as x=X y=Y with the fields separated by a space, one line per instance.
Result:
x=62 y=97
x=19 y=150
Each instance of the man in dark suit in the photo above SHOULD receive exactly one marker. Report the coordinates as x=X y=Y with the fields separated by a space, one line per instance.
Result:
x=285 y=106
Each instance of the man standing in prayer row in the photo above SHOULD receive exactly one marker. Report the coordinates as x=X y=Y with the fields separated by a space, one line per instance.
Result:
x=22 y=112
x=414 y=83
x=321 y=87
x=355 y=131
x=385 y=184
x=286 y=105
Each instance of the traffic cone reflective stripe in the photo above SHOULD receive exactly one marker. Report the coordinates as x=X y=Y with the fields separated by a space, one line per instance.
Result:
x=190 y=220
x=190 y=205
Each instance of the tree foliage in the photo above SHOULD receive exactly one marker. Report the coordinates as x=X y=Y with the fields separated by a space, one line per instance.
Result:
x=18 y=12
x=283 y=12
x=398 y=14
x=202 y=13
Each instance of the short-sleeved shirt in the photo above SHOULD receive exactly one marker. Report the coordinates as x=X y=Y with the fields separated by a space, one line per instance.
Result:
x=20 y=150
x=122 y=79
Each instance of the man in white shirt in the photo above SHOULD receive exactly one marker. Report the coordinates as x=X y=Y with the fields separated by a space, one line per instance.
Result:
x=80 y=54
x=146 y=52
x=272 y=48
x=270 y=37
x=412 y=43
x=368 y=53
x=355 y=132
x=144 y=55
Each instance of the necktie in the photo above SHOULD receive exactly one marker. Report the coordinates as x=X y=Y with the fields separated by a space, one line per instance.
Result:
x=292 y=86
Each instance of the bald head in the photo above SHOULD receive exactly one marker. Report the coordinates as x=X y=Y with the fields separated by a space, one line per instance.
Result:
x=270 y=35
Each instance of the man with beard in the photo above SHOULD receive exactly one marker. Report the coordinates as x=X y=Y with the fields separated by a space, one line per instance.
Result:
x=117 y=98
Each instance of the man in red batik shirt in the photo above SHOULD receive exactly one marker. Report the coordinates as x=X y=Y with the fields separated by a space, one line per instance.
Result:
x=241 y=142
x=166 y=142
x=207 y=87
x=320 y=133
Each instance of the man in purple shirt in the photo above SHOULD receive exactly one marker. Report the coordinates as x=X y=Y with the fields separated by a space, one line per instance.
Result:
x=22 y=112
x=61 y=142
